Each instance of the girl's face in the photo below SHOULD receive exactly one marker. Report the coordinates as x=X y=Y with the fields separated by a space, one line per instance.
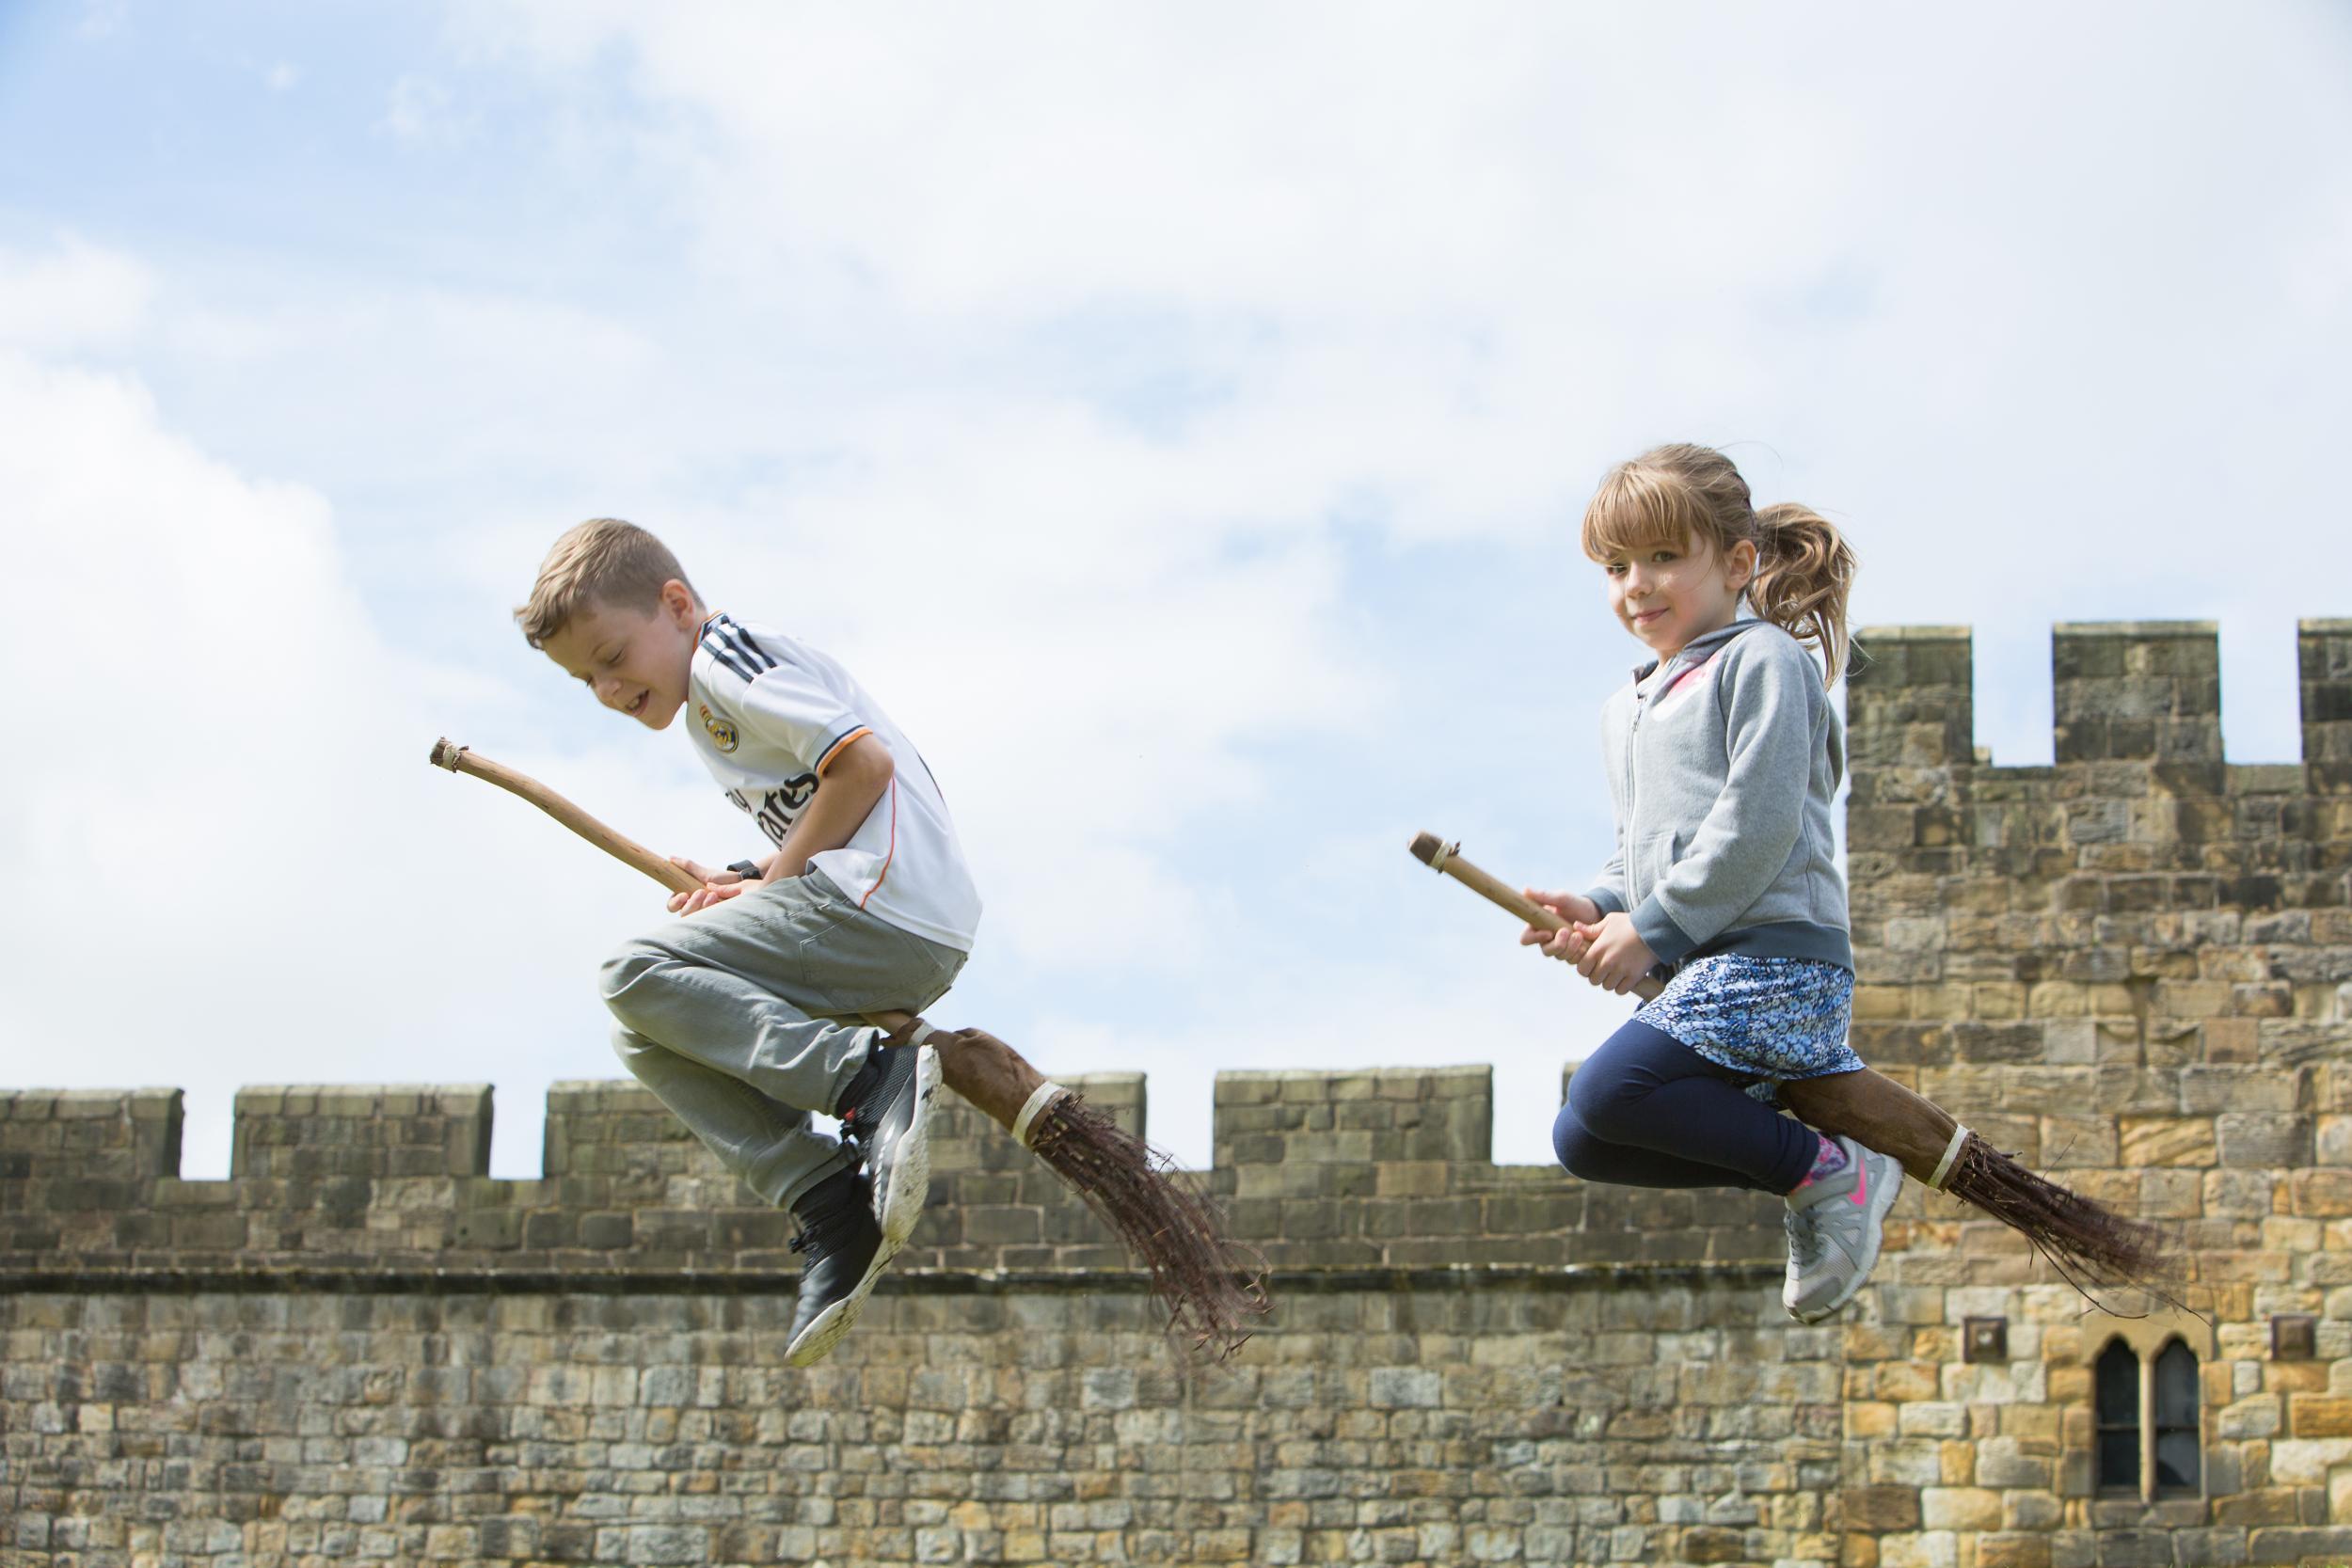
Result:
x=1668 y=594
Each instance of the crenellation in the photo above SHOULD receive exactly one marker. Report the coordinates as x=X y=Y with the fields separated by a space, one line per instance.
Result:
x=2324 y=667
x=2137 y=689
x=362 y=1130
x=1909 y=707
x=2135 y=706
x=1291 y=1120
x=1386 y=1170
x=89 y=1135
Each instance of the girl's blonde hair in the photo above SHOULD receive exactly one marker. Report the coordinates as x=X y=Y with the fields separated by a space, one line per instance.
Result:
x=1678 y=494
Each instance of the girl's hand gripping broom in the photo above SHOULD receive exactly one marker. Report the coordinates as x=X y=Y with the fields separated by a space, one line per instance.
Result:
x=2088 y=1243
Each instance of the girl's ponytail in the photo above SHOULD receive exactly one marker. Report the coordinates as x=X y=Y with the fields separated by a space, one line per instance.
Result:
x=1805 y=569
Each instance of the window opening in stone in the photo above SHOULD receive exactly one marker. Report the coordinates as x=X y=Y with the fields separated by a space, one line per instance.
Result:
x=2177 y=1461
x=2118 y=1394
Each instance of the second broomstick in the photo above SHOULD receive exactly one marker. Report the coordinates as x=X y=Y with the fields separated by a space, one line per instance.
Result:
x=2088 y=1243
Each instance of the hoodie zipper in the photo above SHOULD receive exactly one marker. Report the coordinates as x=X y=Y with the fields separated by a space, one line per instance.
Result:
x=1641 y=704
x=1632 y=734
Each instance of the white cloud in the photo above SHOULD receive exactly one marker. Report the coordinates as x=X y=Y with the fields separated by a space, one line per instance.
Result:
x=1326 y=161
x=227 y=860
x=71 y=295
x=460 y=382
x=1085 y=626
x=1458 y=264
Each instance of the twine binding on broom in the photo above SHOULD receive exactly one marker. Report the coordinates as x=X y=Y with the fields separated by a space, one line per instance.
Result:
x=2088 y=1243
x=1951 y=1151
x=1045 y=1095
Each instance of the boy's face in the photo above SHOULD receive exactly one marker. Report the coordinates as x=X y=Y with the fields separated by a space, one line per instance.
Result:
x=636 y=660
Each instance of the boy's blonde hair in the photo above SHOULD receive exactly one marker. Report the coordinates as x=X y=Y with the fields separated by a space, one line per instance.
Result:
x=602 y=560
x=1678 y=494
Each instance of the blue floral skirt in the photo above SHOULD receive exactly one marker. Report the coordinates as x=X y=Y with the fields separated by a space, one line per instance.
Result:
x=1768 y=1019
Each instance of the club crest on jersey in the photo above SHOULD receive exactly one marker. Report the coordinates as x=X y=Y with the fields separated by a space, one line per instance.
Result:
x=721 y=730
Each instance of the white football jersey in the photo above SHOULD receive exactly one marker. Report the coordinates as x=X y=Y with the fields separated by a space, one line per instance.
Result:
x=769 y=715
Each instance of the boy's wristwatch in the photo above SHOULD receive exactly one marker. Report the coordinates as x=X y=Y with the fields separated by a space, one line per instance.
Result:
x=748 y=870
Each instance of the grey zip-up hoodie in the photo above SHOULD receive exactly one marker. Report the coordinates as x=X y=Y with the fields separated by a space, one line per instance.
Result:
x=1722 y=771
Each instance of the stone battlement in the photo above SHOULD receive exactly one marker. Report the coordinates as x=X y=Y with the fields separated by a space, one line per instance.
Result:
x=1387 y=1170
x=2138 y=883
x=2123 y=691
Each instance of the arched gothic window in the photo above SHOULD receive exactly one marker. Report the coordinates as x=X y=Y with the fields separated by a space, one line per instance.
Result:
x=2178 y=1468
x=2117 y=1386
x=2148 y=1428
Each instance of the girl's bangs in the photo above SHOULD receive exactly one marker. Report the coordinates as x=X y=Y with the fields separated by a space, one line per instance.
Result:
x=1641 y=509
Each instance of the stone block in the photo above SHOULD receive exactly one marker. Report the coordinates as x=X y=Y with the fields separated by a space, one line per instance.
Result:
x=2166 y=1141
x=2264 y=1139
x=2322 y=1194
x=2291 y=1545
x=2316 y=1418
x=1959 y=1508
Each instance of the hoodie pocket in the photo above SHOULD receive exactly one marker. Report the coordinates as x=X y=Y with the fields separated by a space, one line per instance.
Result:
x=1653 y=858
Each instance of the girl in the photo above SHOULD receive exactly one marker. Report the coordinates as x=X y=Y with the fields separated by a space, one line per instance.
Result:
x=1723 y=754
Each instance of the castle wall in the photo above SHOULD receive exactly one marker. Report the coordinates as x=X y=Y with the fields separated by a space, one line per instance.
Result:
x=2132 y=967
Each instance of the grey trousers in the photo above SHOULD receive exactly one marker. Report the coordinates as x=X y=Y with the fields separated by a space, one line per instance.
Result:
x=734 y=1017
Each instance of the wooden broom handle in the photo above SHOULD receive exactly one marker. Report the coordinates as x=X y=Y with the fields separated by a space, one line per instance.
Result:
x=457 y=759
x=1441 y=857
x=1864 y=1105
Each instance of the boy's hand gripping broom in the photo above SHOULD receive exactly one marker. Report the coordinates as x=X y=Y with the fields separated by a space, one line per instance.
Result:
x=1211 y=1293
x=2088 y=1243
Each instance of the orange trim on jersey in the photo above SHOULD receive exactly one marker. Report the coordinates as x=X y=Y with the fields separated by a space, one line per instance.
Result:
x=836 y=748
x=889 y=854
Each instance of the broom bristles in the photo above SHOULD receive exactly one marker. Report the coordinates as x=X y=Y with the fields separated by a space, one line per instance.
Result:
x=1214 y=1290
x=2088 y=1242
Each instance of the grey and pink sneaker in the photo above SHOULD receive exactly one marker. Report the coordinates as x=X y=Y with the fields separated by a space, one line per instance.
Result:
x=1833 y=1222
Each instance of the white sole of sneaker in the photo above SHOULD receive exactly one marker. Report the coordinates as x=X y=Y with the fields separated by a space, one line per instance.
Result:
x=834 y=1323
x=910 y=1167
x=1882 y=1196
x=901 y=1209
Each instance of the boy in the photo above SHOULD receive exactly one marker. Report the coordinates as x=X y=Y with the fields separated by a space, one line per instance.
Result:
x=732 y=1016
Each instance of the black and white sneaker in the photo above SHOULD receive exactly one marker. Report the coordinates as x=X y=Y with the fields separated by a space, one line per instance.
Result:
x=886 y=1111
x=844 y=1252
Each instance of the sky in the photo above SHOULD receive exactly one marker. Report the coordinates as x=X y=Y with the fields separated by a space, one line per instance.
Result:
x=1179 y=417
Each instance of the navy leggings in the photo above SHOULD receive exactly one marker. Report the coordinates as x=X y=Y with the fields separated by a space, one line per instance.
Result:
x=1647 y=1111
